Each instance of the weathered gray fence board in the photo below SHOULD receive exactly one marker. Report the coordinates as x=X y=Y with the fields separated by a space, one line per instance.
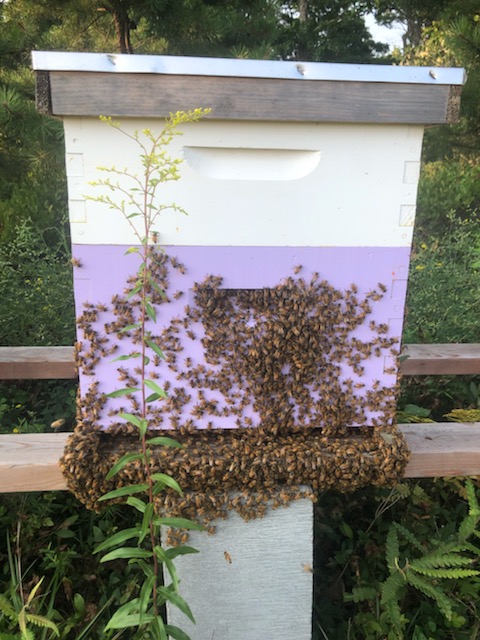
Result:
x=29 y=462
x=58 y=362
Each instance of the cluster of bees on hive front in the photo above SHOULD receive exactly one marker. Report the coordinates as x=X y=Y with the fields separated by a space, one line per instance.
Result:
x=272 y=368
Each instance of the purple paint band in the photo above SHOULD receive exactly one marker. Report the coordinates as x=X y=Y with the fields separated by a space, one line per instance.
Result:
x=104 y=273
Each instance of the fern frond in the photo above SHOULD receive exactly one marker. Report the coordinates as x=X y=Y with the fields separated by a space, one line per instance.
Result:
x=22 y=622
x=444 y=548
x=361 y=594
x=408 y=535
x=397 y=620
x=33 y=592
x=473 y=506
x=419 y=493
x=436 y=561
x=449 y=574
x=444 y=603
x=7 y=609
x=463 y=415
x=391 y=588
x=41 y=621
x=468 y=546
x=392 y=552
x=468 y=526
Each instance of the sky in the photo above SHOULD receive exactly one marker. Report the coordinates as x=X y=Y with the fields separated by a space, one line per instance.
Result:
x=391 y=36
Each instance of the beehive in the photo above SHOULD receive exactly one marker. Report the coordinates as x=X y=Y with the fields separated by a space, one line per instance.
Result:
x=286 y=288
x=286 y=281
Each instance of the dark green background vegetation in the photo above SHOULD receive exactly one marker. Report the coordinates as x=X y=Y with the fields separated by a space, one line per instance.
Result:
x=51 y=533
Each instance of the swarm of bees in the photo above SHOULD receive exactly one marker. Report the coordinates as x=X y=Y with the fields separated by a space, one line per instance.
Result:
x=273 y=367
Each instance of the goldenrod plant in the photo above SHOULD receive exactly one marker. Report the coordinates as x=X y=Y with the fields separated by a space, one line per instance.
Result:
x=138 y=201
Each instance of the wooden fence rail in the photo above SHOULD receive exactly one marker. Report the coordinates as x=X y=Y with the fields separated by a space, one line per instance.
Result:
x=29 y=462
x=24 y=363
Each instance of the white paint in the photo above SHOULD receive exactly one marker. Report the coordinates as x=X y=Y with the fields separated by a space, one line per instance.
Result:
x=230 y=67
x=411 y=172
x=78 y=212
x=352 y=197
x=407 y=215
x=251 y=164
x=74 y=164
x=251 y=580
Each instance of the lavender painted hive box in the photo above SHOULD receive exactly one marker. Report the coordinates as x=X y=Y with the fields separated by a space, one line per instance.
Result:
x=286 y=282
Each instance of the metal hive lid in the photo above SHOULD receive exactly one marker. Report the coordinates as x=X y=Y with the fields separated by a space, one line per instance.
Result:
x=230 y=67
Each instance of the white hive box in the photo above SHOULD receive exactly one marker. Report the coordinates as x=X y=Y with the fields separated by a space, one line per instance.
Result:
x=298 y=164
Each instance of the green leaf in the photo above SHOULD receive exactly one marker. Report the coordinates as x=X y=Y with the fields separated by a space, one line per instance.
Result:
x=414 y=410
x=159 y=627
x=128 y=490
x=162 y=555
x=180 y=551
x=146 y=521
x=122 y=357
x=176 y=633
x=144 y=566
x=118 y=538
x=176 y=600
x=164 y=441
x=408 y=535
x=122 y=392
x=155 y=285
x=154 y=347
x=137 y=504
x=440 y=561
x=126 y=553
x=6 y=608
x=146 y=594
x=179 y=523
x=157 y=488
x=346 y=529
x=473 y=506
x=136 y=289
x=361 y=594
x=151 y=313
x=151 y=384
x=452 y=574
x=143 y=428
x=152 y=397
x=127 y=616
x=132 y=250
x=392 y=548
x=69 y=521
x=135 y=420
x=42 y=621
x=22 y=622
x=167 y=481
x=130 y=327
x=122 y=462
x=445 y=604
x=391 y=587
